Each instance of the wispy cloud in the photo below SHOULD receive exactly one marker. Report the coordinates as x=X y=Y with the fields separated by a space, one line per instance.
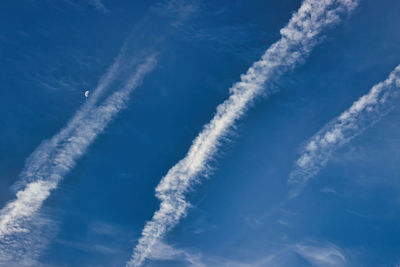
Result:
x=329 y=190
x=316 y=253
x=23 y=249
x=297 y=40
x=101 y=239
x=179 y=10
x=163 y=251
x=98 y=4
x=321 y=254
x=55 y=158
x=166 y=252
x=364 y=113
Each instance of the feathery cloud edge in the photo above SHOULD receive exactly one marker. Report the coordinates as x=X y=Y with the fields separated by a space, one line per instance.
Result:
x=363 y=113
x=297 y=40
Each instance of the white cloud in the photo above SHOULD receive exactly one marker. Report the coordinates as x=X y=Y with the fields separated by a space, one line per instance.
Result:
x=316 y=253
x=98 y=4
x=55 y=158
x=329 y=190
x=23 y=248
x=364 y=113
x=321 y=254
x=297 y=40
x=179 y=10
x=164 y=252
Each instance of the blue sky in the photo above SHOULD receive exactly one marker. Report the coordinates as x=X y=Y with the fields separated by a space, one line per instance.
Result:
x=89 y=190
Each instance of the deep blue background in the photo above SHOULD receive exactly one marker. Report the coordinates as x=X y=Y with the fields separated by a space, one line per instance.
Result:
x=51 y=51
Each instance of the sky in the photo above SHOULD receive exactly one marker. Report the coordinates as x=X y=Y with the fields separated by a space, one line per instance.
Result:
x=216 y=133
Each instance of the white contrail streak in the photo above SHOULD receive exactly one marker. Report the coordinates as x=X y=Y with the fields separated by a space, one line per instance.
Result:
x=364 y=113
x=297 y=40
x=47 y=171
x=42 y=155
x=42 y=158
x=21 y=233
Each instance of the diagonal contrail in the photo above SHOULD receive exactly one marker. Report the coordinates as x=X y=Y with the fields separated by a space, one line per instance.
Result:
x=21 y=226
x=297 y=40
x=364 y=113
x=32 y=178
x=43 y=154
x=52 y=162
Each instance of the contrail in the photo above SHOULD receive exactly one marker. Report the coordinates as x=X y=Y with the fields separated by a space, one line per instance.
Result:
x=364 y=113
x=24 y=248
x=52 y=162
x=43 y=154
x=297 y=40
x=20 y=220
x=32 y=178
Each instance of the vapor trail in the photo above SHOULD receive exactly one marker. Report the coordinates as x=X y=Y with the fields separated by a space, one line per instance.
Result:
x=364 y=113
x=47 y=171
x=43 y=158
x=297 y=40
x=44 y=153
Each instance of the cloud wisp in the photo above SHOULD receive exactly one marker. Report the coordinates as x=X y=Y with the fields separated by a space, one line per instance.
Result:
x=321 y=254
x=24 y=248
x=56 y=157
x=166 y=252
x=42 y=158
x=98 y=4
x=297 y=40
x=364 y=113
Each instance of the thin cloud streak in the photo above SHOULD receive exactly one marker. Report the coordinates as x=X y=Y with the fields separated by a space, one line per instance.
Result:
x=44 y=153
x=297 y=40
x=31 y=178
x=321 y=254
x=364 y=113
x=54 y=158
x=57 y=157
x=98 y=4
